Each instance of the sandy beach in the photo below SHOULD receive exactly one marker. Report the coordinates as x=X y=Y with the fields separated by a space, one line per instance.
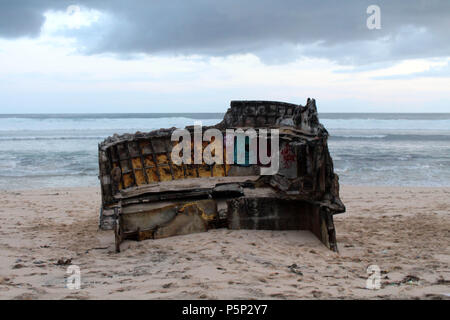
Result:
x=403 y=230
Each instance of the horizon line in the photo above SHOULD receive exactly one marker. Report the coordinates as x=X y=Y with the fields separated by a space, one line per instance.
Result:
x=98 y=113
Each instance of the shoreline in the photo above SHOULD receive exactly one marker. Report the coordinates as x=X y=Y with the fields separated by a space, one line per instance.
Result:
x=403 y=230
x=342 y=186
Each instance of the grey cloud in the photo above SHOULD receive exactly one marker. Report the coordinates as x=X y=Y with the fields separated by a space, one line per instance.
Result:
x=277 y=31
x=24 y=18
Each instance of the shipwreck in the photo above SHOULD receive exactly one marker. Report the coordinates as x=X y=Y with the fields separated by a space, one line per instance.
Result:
x=146 y=195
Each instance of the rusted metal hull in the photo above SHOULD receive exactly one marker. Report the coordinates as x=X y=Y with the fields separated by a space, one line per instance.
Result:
x=146 y=196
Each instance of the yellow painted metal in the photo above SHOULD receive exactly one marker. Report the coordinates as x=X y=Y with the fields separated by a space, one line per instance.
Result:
x=140 y=177
x=164 y=173
x=127 y=180
x=195 y=205
x=178 y=172
x=136 y=163
x=144 y=166
x=162 y=158
x=218 y=170
x=152 y=175
x=148 y=161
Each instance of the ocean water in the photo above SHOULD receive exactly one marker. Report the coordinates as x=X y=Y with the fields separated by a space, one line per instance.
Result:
x=41 y=151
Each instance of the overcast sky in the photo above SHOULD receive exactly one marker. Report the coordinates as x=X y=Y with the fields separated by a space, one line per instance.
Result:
x=60 y=56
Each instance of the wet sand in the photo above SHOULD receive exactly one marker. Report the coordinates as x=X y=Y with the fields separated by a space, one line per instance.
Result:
x=403 y=230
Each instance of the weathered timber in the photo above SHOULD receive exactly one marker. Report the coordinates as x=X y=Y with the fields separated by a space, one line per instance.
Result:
x=146 y=196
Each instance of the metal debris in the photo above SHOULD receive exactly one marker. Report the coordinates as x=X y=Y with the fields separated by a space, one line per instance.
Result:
x=146 y=196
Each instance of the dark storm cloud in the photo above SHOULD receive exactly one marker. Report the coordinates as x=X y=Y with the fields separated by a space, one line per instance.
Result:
x=277 y=31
